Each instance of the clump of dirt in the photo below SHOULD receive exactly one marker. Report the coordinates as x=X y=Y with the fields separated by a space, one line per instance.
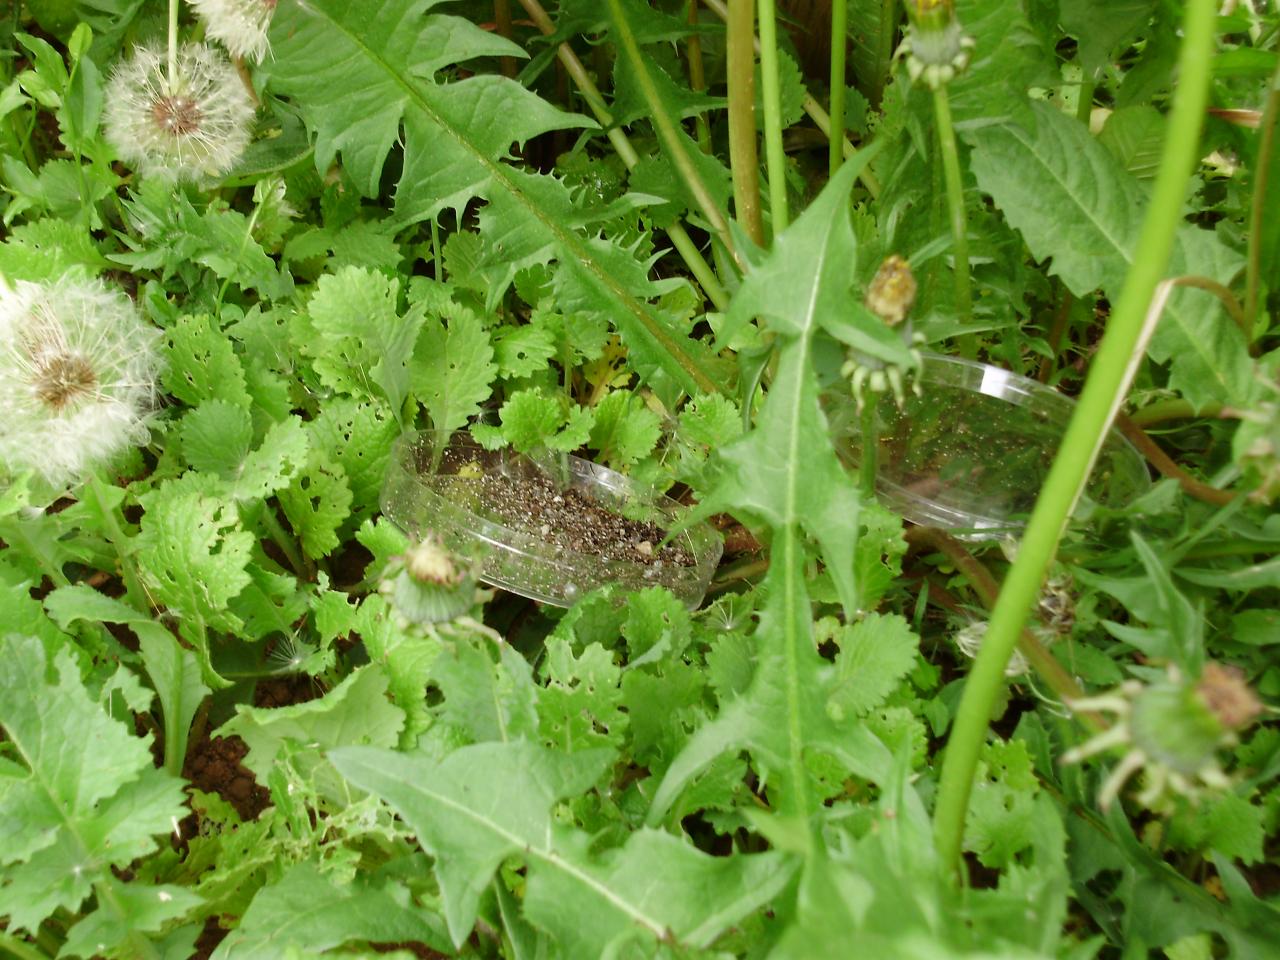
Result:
x=571 y=520
x=286 y=691
x=213 y=765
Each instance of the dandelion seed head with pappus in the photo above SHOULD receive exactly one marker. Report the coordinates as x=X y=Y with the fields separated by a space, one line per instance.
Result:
x=239 y=25
x=78 y=370
x=197 y=126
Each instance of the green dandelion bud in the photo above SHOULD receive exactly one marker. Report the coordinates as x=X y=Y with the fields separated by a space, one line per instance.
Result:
x=1172 y=729
x=427 y=584
x=936 y=47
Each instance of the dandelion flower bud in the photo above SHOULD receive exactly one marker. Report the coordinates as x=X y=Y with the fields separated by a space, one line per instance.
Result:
x=239 y=25
x=936 y=46
x=78 y=369
x=428 y=585
x=194 y=127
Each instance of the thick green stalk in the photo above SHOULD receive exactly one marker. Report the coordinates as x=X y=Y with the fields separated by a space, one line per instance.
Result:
x=955 y=206
x=744 y=160
x=774 y=157
x=1261 y=174
x=839 y=46
x=680 y=238
x=816 y=113
x=1084 y=105
x=1175 y=409
x=19 y=949
x=1108 y=378
x=870 y=446
x=173 y=46
x=668 y=132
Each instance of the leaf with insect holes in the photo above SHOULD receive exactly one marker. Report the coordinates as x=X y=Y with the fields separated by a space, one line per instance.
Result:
x=83 y=796
x=193 y=558
x=366 y=78
x=202 y=364
x=355 y=337
x=657 y=626
x=874 y=654
x=356 y=437
x=317 y=502
x=531 y=419
x=523 y=350
x=625 y=430
x=665 y=703
x=47 y=249
x=579 y=705
x=1001 y=821
x=482 y=699
x=1072 y=200
x=217 y=438
x=487 y=802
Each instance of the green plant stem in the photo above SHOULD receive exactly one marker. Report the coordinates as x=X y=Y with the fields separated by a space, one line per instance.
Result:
x=870 y=446
x=1165 y=464
x=13 y=947
x=744 y=160
x=668 y=132
x=119 y=542
x=1112 y=369
x=1261 y=178
x=697 y=77
x=680 y=238
x=437 y=262
x=1177 y=409
x=284 y=540
x=1084 y=105
x=812 y=108
x=955 y=206
x=839 y=47
x=1224 y=295
x=771 y=89
x=173 y=45
x=1057 y=330
x=1044 y=663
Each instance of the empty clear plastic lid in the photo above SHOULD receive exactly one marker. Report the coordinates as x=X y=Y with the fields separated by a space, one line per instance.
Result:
x=972 y=450
x=550 y=528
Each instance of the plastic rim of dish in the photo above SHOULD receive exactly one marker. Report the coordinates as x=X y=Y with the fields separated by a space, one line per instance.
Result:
x=971 y=452
x=428 y=494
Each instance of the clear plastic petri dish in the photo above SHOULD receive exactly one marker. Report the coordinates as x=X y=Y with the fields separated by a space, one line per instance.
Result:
x=550 y=528
x=971 y=452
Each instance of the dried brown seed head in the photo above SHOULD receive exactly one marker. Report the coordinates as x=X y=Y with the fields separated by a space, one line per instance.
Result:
x=892 y=291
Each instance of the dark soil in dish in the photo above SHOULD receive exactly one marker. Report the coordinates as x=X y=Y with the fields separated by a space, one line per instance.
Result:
x=571 y=520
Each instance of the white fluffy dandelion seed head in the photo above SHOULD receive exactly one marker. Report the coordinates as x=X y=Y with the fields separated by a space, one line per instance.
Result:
x=78 y=370
x=969 y=640
x=195 y=127
x=239 y=25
